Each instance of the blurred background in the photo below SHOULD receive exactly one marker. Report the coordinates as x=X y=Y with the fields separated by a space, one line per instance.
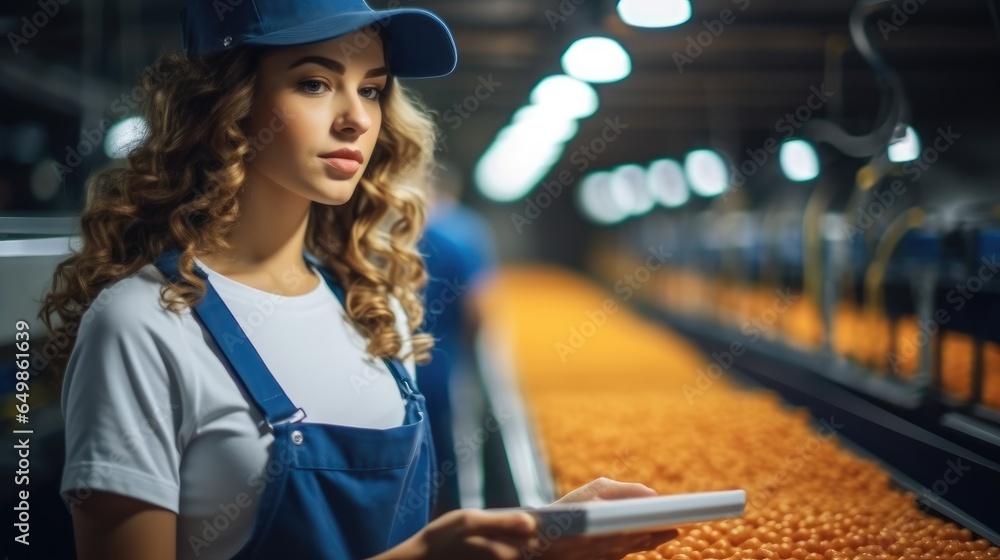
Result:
x=739 y=217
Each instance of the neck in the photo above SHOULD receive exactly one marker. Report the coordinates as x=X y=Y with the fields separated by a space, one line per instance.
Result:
x=269 y=238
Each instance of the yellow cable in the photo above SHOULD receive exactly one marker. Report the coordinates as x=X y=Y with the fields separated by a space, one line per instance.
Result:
x=875 y=275
x=812 y=237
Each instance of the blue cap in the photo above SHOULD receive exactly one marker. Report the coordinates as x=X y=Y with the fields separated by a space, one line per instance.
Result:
x=419 y=44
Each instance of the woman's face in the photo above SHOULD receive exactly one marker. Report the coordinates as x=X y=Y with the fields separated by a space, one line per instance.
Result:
x=311 y=101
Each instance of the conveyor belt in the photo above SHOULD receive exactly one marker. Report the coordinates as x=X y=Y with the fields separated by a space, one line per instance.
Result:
x=627 y=387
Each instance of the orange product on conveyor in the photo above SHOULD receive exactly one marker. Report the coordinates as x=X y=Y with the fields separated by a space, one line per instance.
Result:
x=633 y=401
x=845 y=332
x=991 y=375
x=873 y=342
x=730 y=304
x=803 y=323
x=907 y=348
x=865 y=336
x=690 y=293
x=957 y=364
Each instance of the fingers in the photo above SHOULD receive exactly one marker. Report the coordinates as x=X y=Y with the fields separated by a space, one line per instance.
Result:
x=480 y=522
x=614 y=490
x=607 y=489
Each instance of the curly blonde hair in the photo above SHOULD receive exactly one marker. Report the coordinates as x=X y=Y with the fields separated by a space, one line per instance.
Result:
x=179 y=190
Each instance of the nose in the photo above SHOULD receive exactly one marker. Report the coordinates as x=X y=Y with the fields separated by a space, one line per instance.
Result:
x=351 y=116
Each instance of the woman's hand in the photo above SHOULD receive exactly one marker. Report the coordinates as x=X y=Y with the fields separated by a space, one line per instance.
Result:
x=469 y=534
x=473 y=534
x=603 y=547
x=606 y=489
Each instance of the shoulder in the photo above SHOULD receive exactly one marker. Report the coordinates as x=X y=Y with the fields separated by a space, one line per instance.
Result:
x=130 y=307
x=123 y=399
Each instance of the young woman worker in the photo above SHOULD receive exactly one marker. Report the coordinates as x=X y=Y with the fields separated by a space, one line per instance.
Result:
x=246 y=291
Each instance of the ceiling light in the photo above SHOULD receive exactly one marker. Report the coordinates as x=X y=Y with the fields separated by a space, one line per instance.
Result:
x=665 y=180
x=798 y=160
x=654 y=13
x=596 y=201
x=596 y=60
x=123 y=136
x=550 y=124
x=628 y=188
x=907 y=149
x=565 y=96
x=705 y=172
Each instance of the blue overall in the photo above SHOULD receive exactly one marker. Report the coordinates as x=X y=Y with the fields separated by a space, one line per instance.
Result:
x=340 y=492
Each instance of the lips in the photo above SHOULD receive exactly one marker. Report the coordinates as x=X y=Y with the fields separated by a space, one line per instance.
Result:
x=344 y=161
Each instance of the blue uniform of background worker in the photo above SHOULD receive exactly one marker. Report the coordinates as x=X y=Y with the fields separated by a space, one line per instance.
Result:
x=458 y=250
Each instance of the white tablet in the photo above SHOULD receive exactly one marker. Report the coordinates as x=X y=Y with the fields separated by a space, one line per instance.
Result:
x=637 y=514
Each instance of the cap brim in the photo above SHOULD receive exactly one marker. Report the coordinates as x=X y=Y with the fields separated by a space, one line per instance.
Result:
x=421 y=46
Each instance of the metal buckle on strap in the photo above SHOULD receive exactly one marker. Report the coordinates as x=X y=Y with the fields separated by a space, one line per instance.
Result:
x=409 y=390
x=296 y=416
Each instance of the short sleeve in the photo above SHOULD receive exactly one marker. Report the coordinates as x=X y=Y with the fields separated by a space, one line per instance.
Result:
x=121 y=405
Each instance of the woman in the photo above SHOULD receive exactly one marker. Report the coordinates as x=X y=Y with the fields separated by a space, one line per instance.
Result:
x=262 y=411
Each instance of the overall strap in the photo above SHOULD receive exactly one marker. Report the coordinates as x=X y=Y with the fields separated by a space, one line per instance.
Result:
x=251 y=371
x=399 y=373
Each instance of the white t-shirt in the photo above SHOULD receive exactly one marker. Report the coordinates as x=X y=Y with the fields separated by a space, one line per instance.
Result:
x=153 y=412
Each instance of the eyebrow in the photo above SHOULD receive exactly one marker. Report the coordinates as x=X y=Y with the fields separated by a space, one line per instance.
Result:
x=336 y=66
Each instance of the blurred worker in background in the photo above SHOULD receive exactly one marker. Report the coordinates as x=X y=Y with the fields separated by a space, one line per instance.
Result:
x=459 y=253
